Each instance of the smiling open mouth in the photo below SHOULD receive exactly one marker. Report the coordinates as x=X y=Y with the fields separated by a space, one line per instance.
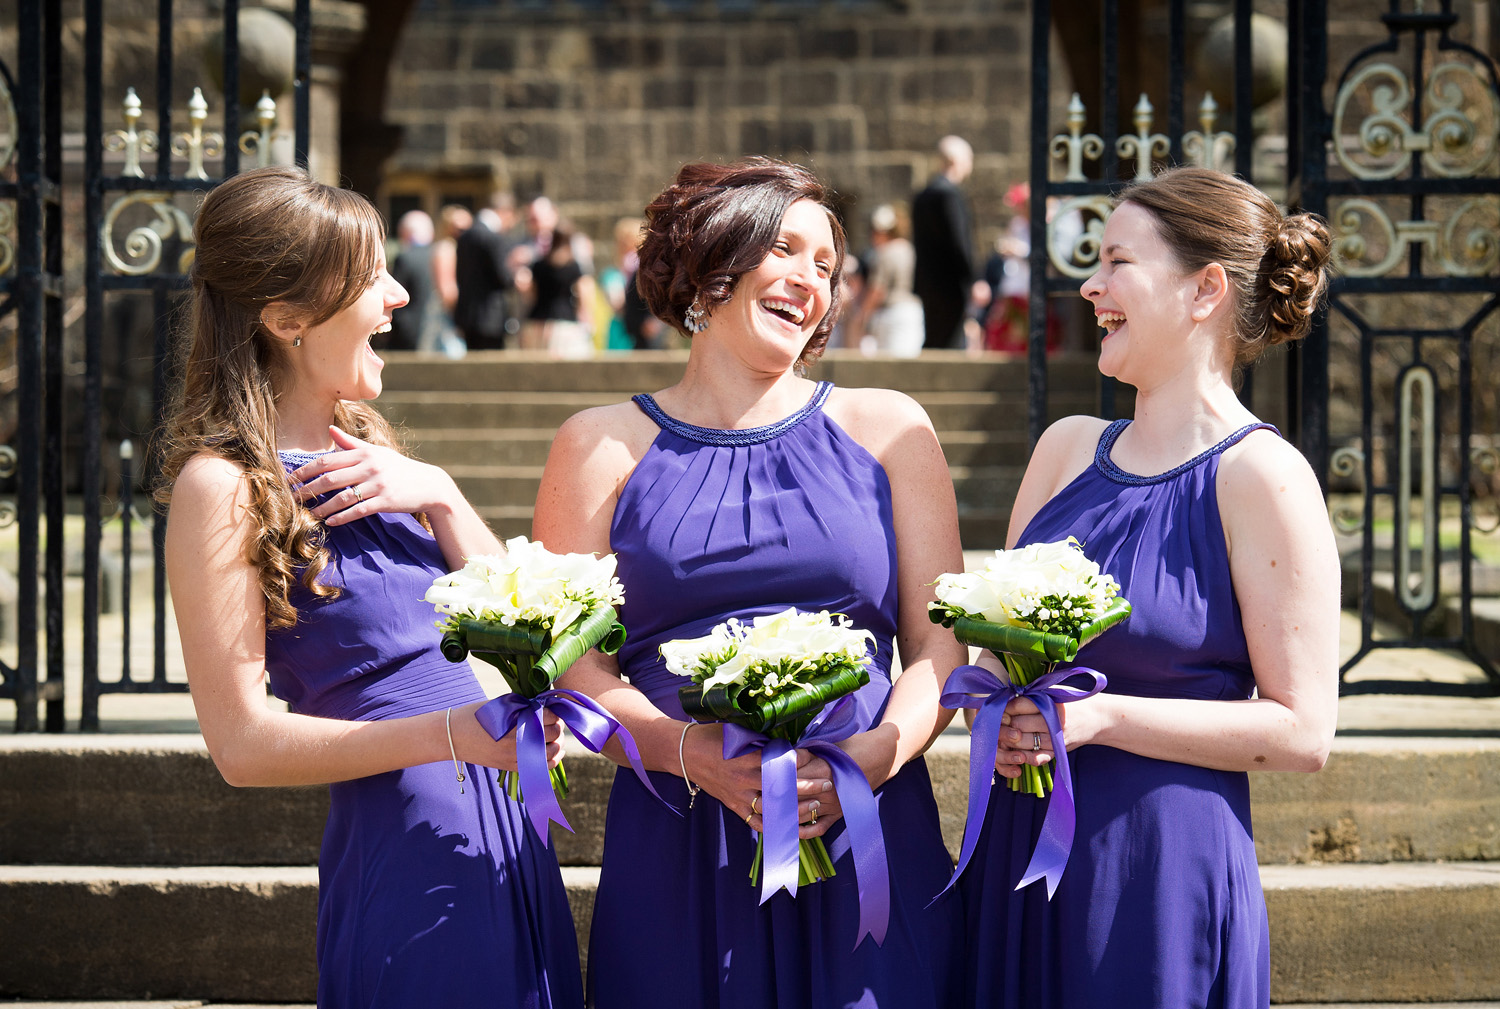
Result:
x=1110 y=321
x=788 y=310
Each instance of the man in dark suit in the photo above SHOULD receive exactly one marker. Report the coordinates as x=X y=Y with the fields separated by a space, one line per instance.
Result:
x=485 y=276
x=942 y=232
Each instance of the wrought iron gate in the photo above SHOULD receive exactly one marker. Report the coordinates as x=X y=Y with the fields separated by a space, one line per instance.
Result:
x=1397 y=163
x=1411 y=187
x=141 y=182
x=31 y=291
x=1425 y=139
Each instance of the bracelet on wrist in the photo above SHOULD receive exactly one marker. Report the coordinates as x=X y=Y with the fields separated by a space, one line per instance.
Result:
x=682 y=763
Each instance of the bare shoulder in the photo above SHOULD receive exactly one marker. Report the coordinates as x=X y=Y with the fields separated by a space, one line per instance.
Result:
x=1264 y=464
x=592 y=457
x=1266 y=488
x=876 y=418
x=613 y=435
x=1066 y=448
x=207 y=482
x=210 y=512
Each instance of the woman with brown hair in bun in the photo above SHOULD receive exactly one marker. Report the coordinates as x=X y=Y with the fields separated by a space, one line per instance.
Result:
x=742 y=490
x=1216 y=530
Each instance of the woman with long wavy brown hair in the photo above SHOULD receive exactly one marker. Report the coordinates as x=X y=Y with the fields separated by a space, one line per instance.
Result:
x=300 y=542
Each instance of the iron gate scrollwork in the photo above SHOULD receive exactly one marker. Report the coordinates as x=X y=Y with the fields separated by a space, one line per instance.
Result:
x=1067 y=214
x=36 y=473
x=139 y=215
x=1410 y=183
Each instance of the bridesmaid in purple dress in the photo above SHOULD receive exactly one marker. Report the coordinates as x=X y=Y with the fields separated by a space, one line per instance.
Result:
x=433 y=890
x=1216 y=530
x=742 y=490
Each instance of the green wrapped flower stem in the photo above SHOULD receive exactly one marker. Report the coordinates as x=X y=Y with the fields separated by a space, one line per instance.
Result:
x=1027 y=655
x=783 y=716
x=531 y=660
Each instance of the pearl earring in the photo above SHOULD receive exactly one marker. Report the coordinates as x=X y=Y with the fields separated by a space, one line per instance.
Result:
x=696 y=320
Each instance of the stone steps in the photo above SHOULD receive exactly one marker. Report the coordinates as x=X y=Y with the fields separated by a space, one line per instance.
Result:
x=461 y=446
x=490 y=417
x=134 y=836
x=1424 y=930
x=118 y=799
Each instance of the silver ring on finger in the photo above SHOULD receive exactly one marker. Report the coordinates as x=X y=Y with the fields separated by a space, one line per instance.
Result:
x=1036 y=741
x=358 y=497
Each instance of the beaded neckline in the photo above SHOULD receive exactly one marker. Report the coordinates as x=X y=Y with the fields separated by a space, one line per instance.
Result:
x=1112 y=433
x=733 y=437
x=298 y=457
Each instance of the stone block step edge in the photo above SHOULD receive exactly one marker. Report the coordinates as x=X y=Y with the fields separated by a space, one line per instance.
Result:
x=199 y=1004
x=1425 y=930
x=1381 y=799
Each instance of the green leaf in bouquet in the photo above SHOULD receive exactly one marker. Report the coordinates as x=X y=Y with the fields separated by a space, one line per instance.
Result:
x=598 y=628
x=529 y=658
x=1032 y=644
x=732 y=702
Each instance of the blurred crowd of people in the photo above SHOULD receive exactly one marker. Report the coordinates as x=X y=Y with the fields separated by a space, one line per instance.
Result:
x=509 y=277
x=505 y=278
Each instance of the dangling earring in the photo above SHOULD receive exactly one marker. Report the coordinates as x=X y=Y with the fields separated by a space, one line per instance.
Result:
x=696 y=320
x=296 y=341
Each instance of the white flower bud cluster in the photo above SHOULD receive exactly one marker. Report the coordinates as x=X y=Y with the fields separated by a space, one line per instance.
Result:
x=1050 y=587
x=772 y=653
x=528 y=584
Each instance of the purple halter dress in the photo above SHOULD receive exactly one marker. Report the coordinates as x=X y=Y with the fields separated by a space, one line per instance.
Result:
x=714 y=524
x=1161 y=904
x=427 y=896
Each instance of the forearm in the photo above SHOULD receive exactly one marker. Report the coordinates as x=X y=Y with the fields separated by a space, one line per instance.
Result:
x=459 y=530
x=1250 y=735
x=287 y=749
x=656 y=734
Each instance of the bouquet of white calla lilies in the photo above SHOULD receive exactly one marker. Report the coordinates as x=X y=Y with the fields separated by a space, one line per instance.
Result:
x=1049 y=587
x=528 y=584
x=1033 y=607
x=781 y=651
x=773 y=676
x=530 y=613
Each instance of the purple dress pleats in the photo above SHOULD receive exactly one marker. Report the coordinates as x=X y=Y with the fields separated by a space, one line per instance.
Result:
x=1161 y=904
x=427 y=896
x=714 y=524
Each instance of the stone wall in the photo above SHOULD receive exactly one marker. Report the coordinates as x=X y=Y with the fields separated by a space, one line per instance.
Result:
x=597 y=111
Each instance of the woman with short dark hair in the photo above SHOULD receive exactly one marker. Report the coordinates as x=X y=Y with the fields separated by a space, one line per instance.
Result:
x=1216 y=530
x=742 y=490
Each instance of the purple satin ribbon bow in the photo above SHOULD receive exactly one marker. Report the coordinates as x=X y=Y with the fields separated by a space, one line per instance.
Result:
x=778 y=797
x=587 y=720
x=1055 y=842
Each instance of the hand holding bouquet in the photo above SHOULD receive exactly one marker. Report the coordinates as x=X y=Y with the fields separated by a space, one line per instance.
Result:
x=532 y=614
x=1032 y=607
x=772 y=681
